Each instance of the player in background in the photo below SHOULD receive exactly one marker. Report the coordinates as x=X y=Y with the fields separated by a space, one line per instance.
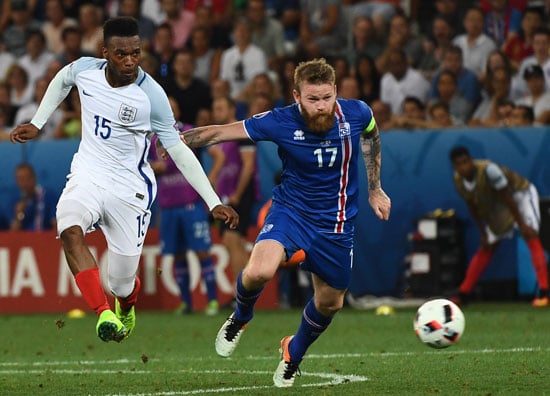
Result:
x=236 y=181
x=184 y=225
x=320 y=140
x=110 y=183
x=498 y=199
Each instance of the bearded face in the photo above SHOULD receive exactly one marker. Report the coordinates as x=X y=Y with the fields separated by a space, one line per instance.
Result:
x=319 y=122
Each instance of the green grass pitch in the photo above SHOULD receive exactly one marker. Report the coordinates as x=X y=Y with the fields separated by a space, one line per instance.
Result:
x=505 y=350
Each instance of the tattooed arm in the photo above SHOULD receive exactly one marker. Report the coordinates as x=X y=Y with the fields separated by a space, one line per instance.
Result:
x=372 y=156
x=212 y=134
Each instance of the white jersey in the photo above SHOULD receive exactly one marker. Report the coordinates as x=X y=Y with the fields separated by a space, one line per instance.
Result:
x=117 y=124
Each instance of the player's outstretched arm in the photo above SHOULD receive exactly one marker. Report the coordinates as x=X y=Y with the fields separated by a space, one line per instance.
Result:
x=23 y=133
x=212 y=134
x=372 y=156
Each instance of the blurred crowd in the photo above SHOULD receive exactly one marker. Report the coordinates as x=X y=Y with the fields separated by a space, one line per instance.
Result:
x=418 y=64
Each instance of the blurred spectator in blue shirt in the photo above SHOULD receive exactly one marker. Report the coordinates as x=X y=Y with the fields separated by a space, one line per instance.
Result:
x=34 y=209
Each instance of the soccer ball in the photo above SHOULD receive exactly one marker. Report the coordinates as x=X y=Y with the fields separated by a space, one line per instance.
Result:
x=439 y=323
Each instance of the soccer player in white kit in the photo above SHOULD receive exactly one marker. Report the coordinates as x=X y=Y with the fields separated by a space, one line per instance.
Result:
x=110 y=183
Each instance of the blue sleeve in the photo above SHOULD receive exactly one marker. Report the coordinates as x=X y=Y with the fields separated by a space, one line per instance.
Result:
x=258 y=127
x=367 y=118
x=162 y=118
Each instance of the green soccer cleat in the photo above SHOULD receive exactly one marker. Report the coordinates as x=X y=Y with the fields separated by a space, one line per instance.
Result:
x=128 y=318
x=110 y=328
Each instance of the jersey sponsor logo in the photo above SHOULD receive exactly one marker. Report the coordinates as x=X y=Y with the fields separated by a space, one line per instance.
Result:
x=299 y=135
x=344 y=129
x=127 y=113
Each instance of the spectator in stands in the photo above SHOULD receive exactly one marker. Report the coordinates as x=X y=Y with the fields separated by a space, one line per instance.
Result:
x=21 y=24
x=521 y=115
x=504 y=110
x=520 y=46
x=400 y=37
x=190 y=92
x=34 y=208
x=323 y=28
x=21 y=91
x=496 y=59
x=382 y=114
x=447 y=90
x=164 y=52
x=219 y=33
x=288 y=13
x=363 y=40
x=26 y=112
x=539 y=97
x=90 y=21
x=541 y=57
x=72 y=46
x=414 y=111
x=453 y=11
x=207 y=58
x=56 y=21
x=267 y=33
x=261 y=85
x=401 y=81
x=37 y=57
x=180 y=20
x=475 y=44
x=486 y=113
x=220 y=89
x=368 y=78
x=259 y=104
x=380 y=12
x=132 y=8
x=349 y=88
x=435 y=46
x=6 y=58
x=441 y=117
x=244 y=60
x=502 y=21
x=467 y=82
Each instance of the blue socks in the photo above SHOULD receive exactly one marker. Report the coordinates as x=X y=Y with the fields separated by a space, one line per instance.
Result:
x=181 y=273
x=245 y=300
x=209 y=277
x=313 y=324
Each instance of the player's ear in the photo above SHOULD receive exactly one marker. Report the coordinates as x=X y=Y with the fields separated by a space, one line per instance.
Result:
x=296 y=95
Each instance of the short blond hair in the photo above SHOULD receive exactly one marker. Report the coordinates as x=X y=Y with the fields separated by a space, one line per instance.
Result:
x=316 y=71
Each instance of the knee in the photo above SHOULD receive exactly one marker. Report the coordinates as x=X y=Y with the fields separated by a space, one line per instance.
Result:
x=329 y=307
x=256 y=277
x=72 y=237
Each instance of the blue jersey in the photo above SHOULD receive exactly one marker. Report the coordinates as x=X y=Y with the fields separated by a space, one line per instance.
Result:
x=320 y=174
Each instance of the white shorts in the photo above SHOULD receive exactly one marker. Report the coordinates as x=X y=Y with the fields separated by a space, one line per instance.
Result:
x=86 y=204
x=528 y=205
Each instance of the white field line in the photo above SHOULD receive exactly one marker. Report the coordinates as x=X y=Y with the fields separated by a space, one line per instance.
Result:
x=325 y=379
x=449 y=351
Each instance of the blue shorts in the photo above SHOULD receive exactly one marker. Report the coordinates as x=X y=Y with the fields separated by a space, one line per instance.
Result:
x=329 y=255
x=185 y=228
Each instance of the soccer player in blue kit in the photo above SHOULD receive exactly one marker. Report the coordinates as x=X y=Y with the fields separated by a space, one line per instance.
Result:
x=110 y=183
x=319 y=139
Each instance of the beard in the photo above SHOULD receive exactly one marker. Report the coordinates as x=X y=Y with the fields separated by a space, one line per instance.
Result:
x=319 y=123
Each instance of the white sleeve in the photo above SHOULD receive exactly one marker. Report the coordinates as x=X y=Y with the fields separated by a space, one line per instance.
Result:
x=57 y=91
x=190 y=167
